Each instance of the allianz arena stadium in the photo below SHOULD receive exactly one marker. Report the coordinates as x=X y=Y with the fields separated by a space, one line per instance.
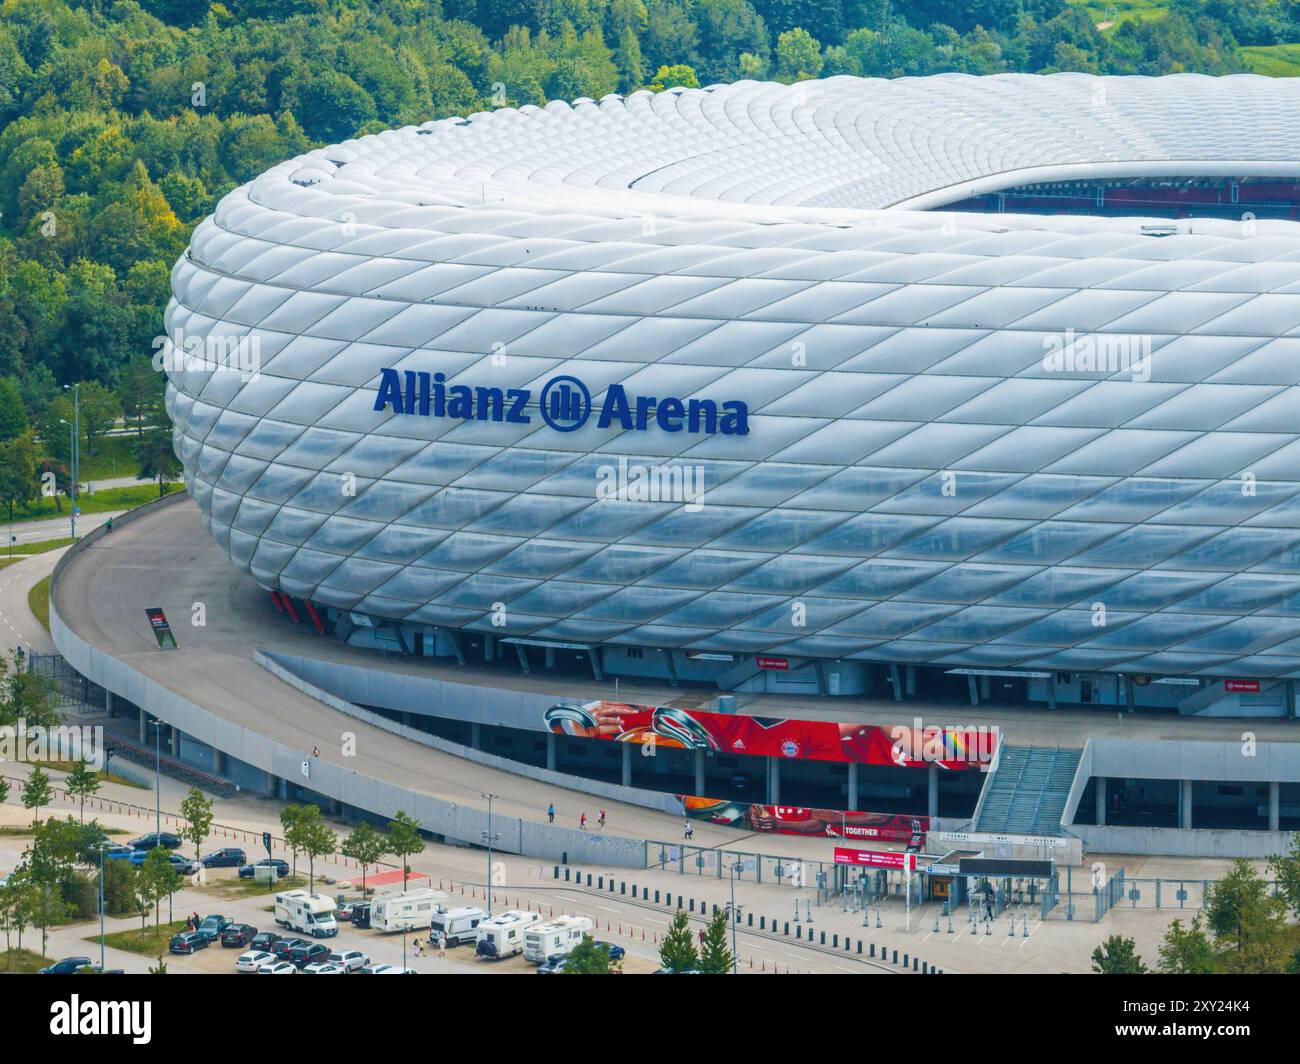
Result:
x=764 y=385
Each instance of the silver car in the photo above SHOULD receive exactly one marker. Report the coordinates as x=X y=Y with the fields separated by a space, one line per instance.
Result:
x=348 y=959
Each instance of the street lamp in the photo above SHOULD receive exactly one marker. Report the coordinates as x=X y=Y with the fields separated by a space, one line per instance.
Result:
x=74 y=450
x=103 y=845
x=734 y=912
x=489 y=838
x=157 y=725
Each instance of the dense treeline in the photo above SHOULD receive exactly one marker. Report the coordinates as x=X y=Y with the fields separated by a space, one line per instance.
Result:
x=121 y=124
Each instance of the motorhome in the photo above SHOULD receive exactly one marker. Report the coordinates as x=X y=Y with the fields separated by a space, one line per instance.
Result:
x=555 y=937
x=312 y=914
x=459 y=925
x=406 y=910
x=503 y=935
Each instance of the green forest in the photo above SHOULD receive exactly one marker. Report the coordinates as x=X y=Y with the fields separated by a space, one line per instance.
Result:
x=122 y=124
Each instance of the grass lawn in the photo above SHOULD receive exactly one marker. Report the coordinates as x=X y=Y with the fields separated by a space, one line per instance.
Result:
x=44 y=507
x=114 y=457
x=151 y=943
x=1117 y=11
x=38 y=599
x=1275 y=60
x=23 y=962
x=250 y=888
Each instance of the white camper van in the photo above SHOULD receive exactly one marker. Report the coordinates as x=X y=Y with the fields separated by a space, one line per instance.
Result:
x=407 y=910
x=503 y=935
x=459 y=925
x=555 y=937
x=312 y=914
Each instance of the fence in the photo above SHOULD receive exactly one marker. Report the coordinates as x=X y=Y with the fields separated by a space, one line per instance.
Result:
x=689 y=859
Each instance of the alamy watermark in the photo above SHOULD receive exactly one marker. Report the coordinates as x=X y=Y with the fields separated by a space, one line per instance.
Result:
x=633 y=482
x=1068 y=352
x=61 y=743
x=240 y=354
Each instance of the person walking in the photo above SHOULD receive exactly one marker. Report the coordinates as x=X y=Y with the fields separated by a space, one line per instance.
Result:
x=690 y=831
x=550 y=813
x=419 y=950
x=582 y=822
x=601 y=820
x=442 y=944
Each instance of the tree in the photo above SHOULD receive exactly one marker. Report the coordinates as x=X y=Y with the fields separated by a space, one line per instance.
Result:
x=1117 y=956
x=1285 y=869
x=1186 y=951
x=82 y=781
x=1233 y=901
x=677 y=950
x=288 y=818
x=715 y=956
x=586 y=958
x=798 y=55
x=98 y=411
x=25 y=695
x=37 y=792
x=18 y=460
x=404 y=840
x=197 y=811
x=366 y=846
x=677 y=76
x=154 y=453
x=314 y=838
x=159 y=879
x=13 y=415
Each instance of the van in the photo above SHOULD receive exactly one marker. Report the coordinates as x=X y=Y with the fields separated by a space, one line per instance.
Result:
x=406 y=910
x=311 y=914
x=555 y=937
x=459 y=925
x=503 y=935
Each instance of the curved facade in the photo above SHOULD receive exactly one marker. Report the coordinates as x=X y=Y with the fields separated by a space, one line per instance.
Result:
x=694 y=370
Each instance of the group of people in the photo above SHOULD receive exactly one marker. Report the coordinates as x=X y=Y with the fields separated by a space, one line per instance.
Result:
x=582 y=820
x=440 y=940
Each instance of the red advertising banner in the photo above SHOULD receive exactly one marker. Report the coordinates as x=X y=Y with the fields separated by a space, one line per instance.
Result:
x=800 y=820
x=673 y=727
x=875 y=858
x=779 y=664
x=1242 y=686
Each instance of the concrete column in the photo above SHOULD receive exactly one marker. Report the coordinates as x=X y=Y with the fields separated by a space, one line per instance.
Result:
x=1128 y=692
x=489 y=647
x=627 y=764
x=549 y=657
x=986 y=687
x=475 y=735
x=108 y=704
x=173 y=741
x=218 y=762
x=699 y=774
x=932 y=788
x=144 y=727
x=273 y=785
x=896 y=682
x=1185 y=819
x=550 y=751
x=774 y=781
x=853 y=785
x=911 y=680
x=974 y=691
x=1274 y=805
x=1099 y=788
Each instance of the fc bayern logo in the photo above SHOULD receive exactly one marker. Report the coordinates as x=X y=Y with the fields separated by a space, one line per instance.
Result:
x=565 y=403
x=790 y=748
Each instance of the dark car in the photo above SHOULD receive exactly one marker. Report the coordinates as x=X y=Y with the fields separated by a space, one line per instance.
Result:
x=616 y=952
x=211 y=927
x=281 y=868
x=281 y=946
x=238 y=935
x=188 y=942
x=148 y=842
x=307 y=953
x=264 y=940
x=183 y=865
x=361 y=914
x=227 y=858
x=66 y=966
x=117 y=852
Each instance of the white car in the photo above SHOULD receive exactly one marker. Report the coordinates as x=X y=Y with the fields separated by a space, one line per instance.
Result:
x=324 y=968
x=253 y=960
x=274 y=967
x=348 y=959
x=395 y=969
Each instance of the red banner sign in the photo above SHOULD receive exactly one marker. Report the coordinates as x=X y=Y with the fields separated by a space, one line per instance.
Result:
x=1242 y=686
x=673 y=727
x=875 y=858
x=800 y=820
x=779 y=664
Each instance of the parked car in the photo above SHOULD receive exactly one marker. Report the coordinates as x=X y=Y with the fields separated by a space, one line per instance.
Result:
x=148 y=842
x=361 y=914
x=349 y=959
x=118 y=853
x=264 y=940
x=227 y=858
x=323 y=968
x=211 y=927
x=252 y=960
x=189 y=942
x=66 y=966
x=395 y=969
x=238 y=935
x=308 y=953
x=281 y=868
x=553 y=965
x=343 y=912
x=282 y=946
x=183 y=865
x=277 y=968
x=616 y=952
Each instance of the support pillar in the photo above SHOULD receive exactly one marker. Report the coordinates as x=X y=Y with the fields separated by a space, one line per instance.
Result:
x=108 y=704
x=173 y=741
x=974 y=691
x=273 y=785
x=911 y=680
x=699 y=774
x=1185 y=817
x=1099 y=788
x=896 y=682
x=627 y=764
x=144 y=727
x=986 y=687
x=218 y=762
x=475 y=735
x=548 y=657
x=550 y=751
x=773 y=781
x=932 y=789
x=1128 y=692
x=853 y=786
x=1274 y=805
x=489 y=647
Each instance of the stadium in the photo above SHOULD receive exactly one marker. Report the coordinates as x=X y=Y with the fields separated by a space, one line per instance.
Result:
x=843 y=387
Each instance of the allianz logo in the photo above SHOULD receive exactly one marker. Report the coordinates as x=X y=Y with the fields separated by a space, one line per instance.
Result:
x=563 y=404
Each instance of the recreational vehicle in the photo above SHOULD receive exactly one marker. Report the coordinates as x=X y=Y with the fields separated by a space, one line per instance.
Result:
x=459 y=925
x=312 y=914
x=503 y=935
x=555 y=937
x=407 y=910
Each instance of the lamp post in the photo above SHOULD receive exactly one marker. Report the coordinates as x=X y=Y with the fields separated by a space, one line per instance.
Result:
x=103 y=844
x=157 y=725
x=734 y=912
x=74 y=451
x=489 y=838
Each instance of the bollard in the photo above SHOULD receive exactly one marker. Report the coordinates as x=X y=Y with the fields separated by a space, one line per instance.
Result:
x=904 y=960
x=895 y=961
x=798 y=931
x=762 y=922
x=555 y=872
x=873 y=949
x=822 y=941
x=835 y=940
x=566 y=875
x=622 y=888
x=915 y=963
x=692 y=905
x=787 y=928
x=656 y=897
x=751 y=919
x=600 y=882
